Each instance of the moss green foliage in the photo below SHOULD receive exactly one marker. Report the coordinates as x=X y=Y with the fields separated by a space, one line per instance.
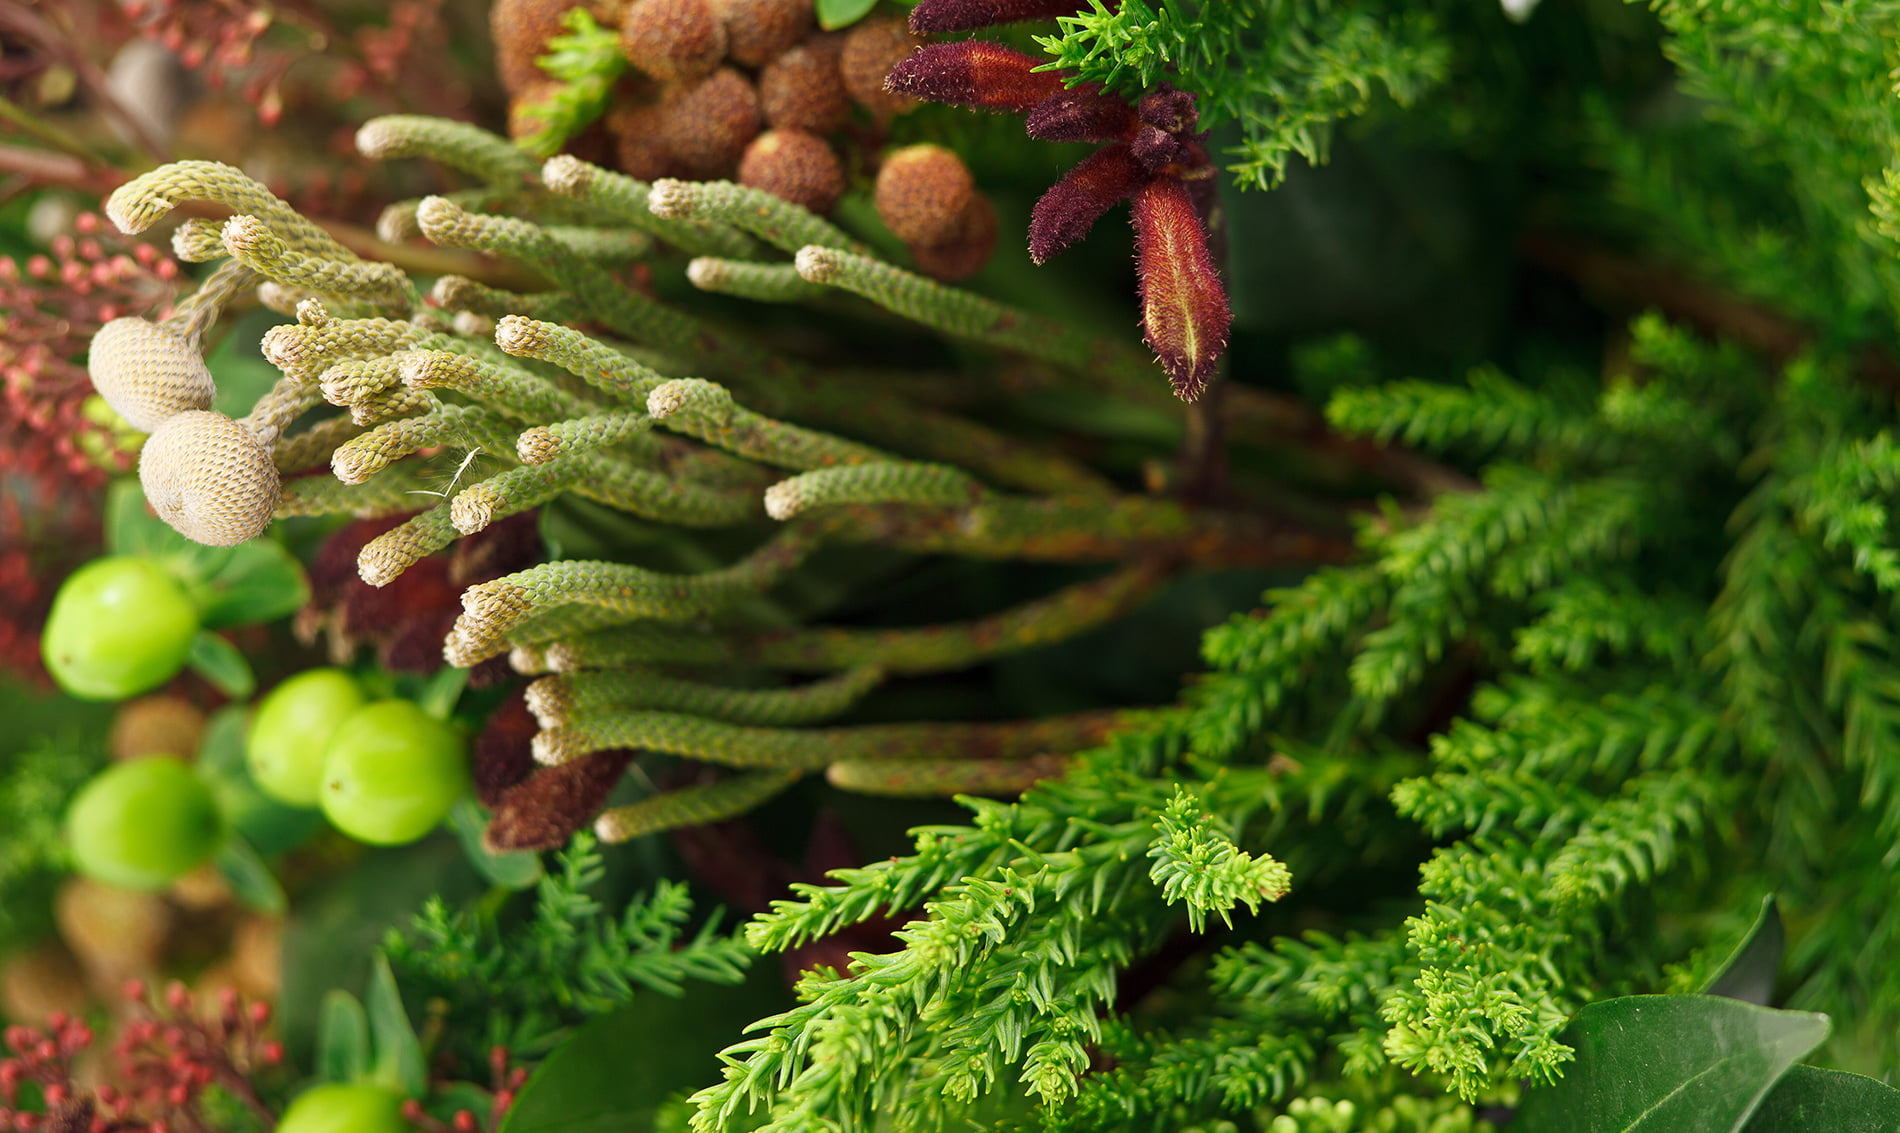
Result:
x=521 y=981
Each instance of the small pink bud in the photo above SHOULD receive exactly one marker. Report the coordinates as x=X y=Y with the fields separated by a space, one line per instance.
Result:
x=963 y=15
x=1072 y=205
x=975 y=73
x=1184 y=313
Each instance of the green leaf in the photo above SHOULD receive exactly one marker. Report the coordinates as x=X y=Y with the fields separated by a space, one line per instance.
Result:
x=260 y=582
x=1811 y=1100
x=438 y=696
x=612 y=1075
x=398 y=1050
x=270 y=827
x=835 y=14
x=1669 y=1064
x=517 y=869
x=1749 y=974
x=218 y=661
x=342 y=1038
x=250 y=879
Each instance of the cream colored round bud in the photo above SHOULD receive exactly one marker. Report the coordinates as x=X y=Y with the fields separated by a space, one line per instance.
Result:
x=148 y=372
x=210 y=477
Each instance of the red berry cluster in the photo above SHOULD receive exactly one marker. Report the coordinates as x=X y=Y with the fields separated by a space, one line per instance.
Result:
x=165 y=1058
x=1153 y=155
x=504 y=1082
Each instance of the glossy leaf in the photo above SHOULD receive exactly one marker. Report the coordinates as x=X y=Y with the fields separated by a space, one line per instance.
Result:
x=612 y=1075
x=1808 y=1099
x=1749 y=974
x=250 y=879
x=515 y=870
x=1669 y=1064
x=219 y=662
x=398 y=1051
x=835 y=14
x=342 y=1038
x=260 y=582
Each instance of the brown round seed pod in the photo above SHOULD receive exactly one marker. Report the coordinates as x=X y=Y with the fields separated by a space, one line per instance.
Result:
x=675 y=40
x=707 y=126
x=521 y=30
x=758 y=30
x=967 y=250
x=156 y=725
x=41 y=981
x=794 y=166
x=210 y=477
x=524 y=107
x=802 y=89
x=148 y=371
x=639 y=151
x=114 y=932
x=257 y=956
x=922 y=192
x=870 y=50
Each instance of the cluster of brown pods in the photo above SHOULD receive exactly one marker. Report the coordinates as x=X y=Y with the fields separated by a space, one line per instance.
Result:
x=752 y=91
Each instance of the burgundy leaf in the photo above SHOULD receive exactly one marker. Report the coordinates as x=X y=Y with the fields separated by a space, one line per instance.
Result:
x=1072 y=205
x=963 y=15
x=543 y=811
x=1184 y=312
x=975 y=73
x=1081 y=114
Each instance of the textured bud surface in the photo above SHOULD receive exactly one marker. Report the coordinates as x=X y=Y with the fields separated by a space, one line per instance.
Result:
x=210 y=478
x=921 y=193
x=803 y=89
x=758 y=30
x=148 y=372
x=794 y=166
x=706 y=127
x=672 y=39
x=870 y=50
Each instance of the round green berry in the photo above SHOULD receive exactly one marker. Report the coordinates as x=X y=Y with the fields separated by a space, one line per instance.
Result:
x=291 y=732
x=119 y=626
x=392 y=772
x=144 y=823
x=345 y=1107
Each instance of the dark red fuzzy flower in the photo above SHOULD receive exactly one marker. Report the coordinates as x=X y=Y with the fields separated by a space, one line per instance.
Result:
x=1153 y=153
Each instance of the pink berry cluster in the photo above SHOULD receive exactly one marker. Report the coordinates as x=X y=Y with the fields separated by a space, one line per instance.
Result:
x=166 y=1056
x=504 y=1081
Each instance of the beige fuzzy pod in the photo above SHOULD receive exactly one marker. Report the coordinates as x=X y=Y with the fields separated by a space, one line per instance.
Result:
x=922 y=192
x=870 y=50
x=210 y=477
x=968 y=249
x=802 y=89
x=673 y=40
x=148 y=372
x=707 y=127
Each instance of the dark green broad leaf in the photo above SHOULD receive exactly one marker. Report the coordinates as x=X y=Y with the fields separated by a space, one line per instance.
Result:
x=250 y=879
x=219 y=662
x=1811 y=1100
x=260 y=582
x=835 y=14
x=342 y=1038
x=398 y=1052
x=614 y=1074
x=1669 y=1064
x=517 y=869
x=1749 y=974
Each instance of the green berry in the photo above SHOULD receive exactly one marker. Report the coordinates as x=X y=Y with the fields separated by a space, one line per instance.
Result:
x=119 y=626
x=144 y=823
x=292 y=730
x=392 y=772
x=345 y=1107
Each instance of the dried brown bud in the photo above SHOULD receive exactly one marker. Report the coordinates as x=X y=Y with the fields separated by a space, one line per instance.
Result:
x=922 y=192
x=521 y=30
x=503 y=755
x=794 y=166
x=543 y=811
x=210 y=477
x=148 y=371
x=967 y=250
x=675 y=40
x=803 y=89
x=870 y=50
x=156 y=725
x=639 y=150
x=524 y=107
x=758 y=30
x=707 y=126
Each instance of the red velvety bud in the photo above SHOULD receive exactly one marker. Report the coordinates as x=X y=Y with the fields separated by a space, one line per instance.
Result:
x=962 y=15
x=1170 y=109
x=1184 y=313
x=975 y=73
x=1072 y=205
x=1081 y=114
x=543 y=811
